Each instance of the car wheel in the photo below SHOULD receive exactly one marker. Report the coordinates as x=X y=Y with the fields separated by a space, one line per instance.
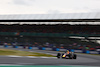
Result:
x=75 y=56
x=70 y=56
x=58 y=55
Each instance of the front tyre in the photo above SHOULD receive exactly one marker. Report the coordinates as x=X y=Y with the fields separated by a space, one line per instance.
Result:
x=75 y=56
x=70 y=56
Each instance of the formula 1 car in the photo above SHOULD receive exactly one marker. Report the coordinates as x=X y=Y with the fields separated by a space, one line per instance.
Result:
x=71 y=55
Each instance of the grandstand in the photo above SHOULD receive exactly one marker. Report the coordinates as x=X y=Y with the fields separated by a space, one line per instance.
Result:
x=49 y=30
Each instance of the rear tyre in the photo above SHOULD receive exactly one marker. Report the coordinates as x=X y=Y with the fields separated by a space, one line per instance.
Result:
x=58 y=55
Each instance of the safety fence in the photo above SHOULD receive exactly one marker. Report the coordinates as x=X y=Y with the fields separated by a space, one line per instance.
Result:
x=55 y=49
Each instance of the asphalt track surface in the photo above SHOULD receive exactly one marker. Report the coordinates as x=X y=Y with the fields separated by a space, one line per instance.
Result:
x=82 y=59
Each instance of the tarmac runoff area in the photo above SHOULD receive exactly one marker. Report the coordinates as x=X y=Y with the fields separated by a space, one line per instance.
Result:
x=32 y=61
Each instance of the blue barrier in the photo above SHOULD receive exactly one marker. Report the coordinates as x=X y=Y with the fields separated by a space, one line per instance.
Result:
x=57 y=49
x=29 y=47
x=72 y=50
x=43 y=48
x=16 y=46
x=87 y=51
x=6 y=46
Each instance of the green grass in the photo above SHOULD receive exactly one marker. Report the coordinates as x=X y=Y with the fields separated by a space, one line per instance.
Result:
x=22 y=53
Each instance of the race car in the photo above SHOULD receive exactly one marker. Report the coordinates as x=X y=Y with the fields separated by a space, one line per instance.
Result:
x=66 y=55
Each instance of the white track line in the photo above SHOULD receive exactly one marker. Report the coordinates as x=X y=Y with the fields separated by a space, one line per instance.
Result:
x=47 y=57
x=27 y=56
x=10 y=65
x=44 y=57
x=30 y=56
x=14 y=56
